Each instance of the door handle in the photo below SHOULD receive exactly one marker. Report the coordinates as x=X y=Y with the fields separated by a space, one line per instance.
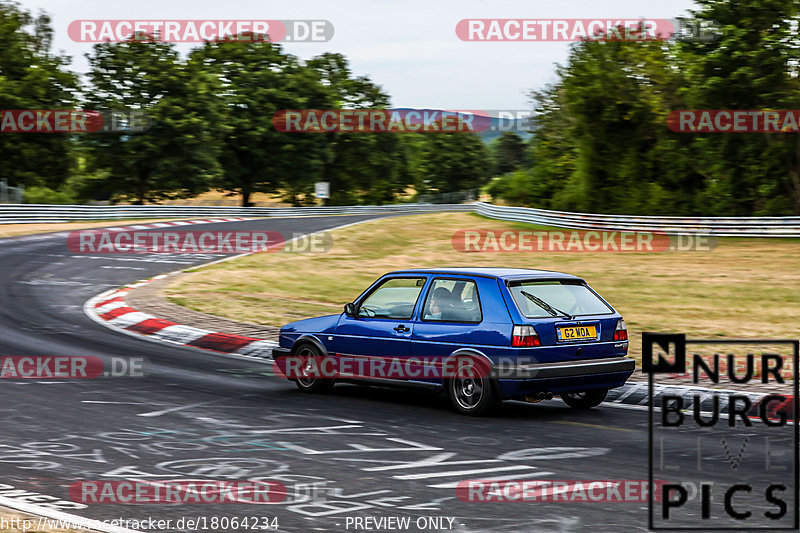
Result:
x=401 y=329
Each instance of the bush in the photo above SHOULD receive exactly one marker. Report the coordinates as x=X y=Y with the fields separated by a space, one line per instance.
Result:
x=516 y=188
x=46 y=195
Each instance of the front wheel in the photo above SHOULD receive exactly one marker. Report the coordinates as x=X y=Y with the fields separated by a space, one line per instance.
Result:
x=584 y=399
x=472 y=391
x=308 y=360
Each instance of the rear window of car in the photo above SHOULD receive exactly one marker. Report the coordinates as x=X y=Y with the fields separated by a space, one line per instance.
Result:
x=541 y=299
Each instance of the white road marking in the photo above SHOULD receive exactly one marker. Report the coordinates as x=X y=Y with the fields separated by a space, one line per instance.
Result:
x=116 y=403
x=152 y=414
x=462 y=472
x=636 y=386
x=454 y=484
x=435 y=461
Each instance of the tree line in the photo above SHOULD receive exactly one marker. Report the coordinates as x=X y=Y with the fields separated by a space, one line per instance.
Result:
x=600 y=140
x=210 y=125
x=602 y=144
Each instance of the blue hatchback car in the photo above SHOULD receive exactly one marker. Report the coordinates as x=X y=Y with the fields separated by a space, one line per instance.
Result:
x=482 y=335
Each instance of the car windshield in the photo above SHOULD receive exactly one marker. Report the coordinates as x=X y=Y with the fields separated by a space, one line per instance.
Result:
x=540 y=299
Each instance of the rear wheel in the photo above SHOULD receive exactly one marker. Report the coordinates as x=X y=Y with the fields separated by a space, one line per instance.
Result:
x=308 y=361
x=471 y=389
x=584 y=399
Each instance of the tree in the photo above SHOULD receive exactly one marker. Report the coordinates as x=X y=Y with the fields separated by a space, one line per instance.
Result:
x=602 y=144
x=614 y=90
x=508 y=153
x=177 y=156
x=254 y=80
x=752 y=65
x=554 y=152
x=453 y=162
x=31 y=77
x=361 y=167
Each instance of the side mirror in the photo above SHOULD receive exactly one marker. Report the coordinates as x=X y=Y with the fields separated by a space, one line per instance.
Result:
x=350 y=309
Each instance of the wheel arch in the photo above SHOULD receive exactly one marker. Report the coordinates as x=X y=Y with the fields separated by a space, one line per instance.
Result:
x=309 y=339
x=474 y=352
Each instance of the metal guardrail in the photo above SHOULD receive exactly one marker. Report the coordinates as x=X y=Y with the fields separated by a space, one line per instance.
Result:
x=719 y=226
x=44 y=213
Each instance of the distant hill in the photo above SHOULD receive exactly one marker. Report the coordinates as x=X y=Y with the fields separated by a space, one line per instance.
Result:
x=489 y=123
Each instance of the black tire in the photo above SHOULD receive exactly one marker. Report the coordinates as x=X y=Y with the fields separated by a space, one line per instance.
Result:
x=310 y=384
x=472 y=391
x=584 y=399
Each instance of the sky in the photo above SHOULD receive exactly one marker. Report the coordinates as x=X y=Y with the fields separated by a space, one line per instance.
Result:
x=409 y=47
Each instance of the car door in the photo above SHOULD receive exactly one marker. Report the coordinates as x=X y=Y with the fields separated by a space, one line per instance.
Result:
x=451 y=317
x=382 y=327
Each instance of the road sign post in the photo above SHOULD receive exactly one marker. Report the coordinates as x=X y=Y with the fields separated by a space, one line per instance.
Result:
x=322 y=190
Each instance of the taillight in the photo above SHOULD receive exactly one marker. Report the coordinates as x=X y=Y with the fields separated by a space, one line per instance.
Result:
x=621 y=331
x=525 y=336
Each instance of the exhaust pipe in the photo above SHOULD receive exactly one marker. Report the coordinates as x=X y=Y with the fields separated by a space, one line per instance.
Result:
x=538 y=397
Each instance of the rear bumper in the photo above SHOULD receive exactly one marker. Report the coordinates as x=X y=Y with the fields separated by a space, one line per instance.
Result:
x=566 y=369
x=522 y=379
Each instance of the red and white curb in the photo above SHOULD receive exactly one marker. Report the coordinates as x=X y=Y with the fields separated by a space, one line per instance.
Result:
x=111 y=310
x=118 y=316
x=154 y=225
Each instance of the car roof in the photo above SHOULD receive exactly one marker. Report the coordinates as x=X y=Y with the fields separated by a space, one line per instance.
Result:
x=486 y=272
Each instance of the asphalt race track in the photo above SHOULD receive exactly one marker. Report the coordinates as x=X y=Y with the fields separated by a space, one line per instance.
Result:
x=359 y=453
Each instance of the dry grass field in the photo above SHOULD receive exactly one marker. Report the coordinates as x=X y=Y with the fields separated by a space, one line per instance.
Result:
x=742 y=288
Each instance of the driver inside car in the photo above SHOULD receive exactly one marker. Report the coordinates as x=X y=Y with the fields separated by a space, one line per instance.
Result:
x=439 y=300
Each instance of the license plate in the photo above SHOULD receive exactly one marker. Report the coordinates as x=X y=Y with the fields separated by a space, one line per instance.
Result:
x=577 y=333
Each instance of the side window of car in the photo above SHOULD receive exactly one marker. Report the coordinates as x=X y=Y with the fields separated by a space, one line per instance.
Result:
x=394 y=298
x=452 y=300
